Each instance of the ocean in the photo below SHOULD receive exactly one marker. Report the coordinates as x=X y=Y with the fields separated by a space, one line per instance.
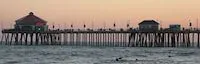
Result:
x=97 y=55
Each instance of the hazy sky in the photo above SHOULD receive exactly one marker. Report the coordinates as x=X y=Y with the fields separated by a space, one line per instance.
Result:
x=102 y=11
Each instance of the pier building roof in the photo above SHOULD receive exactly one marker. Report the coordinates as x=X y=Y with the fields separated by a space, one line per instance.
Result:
x=31 y=19
x=148 y=22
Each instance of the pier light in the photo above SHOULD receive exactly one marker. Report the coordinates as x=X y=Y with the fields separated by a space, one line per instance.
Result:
x=190 y=24
x=84 y=26
x=71 y=25
x=197 y=24
x=53 y=27
x=127 y=25
x=114 y=25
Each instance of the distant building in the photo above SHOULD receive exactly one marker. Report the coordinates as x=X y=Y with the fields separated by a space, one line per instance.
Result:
x=148 y=25
x=31 y=23
x=175 y=27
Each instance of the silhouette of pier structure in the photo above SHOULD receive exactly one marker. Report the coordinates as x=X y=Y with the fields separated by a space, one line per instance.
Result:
x=72 y=38
x=103 y=38
x=32 y=30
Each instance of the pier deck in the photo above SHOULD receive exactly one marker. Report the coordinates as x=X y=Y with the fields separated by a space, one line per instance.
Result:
x=115 y=38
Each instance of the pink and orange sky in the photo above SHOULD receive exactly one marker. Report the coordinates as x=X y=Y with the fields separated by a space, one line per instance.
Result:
x=102 y=11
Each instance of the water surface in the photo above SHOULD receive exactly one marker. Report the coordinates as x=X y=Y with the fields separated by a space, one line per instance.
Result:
x=97 y=55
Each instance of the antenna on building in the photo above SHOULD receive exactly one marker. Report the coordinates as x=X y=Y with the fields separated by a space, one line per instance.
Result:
x=160 y=23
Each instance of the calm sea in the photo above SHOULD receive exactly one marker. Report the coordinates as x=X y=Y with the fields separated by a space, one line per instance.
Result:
x=97 y=55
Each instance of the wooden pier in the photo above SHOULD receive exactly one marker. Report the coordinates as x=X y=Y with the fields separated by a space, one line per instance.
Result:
x=130 y=38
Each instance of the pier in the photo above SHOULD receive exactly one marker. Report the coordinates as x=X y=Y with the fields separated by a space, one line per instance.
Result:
x=109 y=38
x=32 y=30
x=63 y=37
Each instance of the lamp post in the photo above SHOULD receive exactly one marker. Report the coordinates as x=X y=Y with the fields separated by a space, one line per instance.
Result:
x=92 y=25
x=190 y=25
x=84 y=26
x=72 y=26
x=128 y=24
x=197 y=24
x=104 y=25
x=59 y=27
x=2 y=24
x=53 y=26
x=65 y=26
x=114 y=25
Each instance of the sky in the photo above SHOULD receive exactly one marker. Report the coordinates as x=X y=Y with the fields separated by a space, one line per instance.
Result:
x=102 y=13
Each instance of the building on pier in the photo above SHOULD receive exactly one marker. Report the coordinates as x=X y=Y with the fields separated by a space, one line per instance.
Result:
x=148 y=25
x=175 y=27
x=31 y=23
